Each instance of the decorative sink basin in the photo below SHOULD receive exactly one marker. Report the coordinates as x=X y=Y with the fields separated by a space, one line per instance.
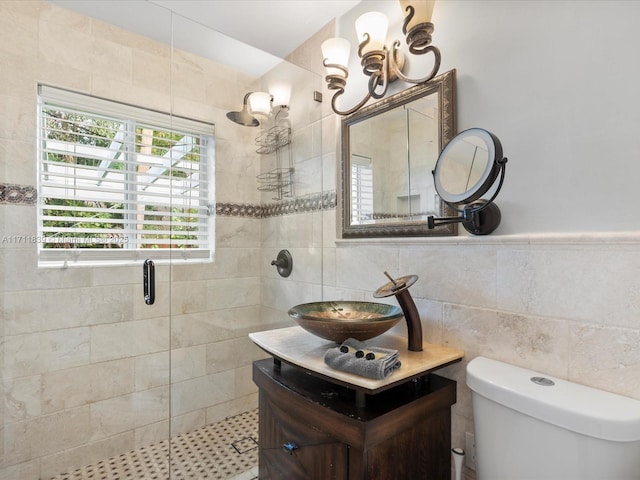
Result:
x=340 y=320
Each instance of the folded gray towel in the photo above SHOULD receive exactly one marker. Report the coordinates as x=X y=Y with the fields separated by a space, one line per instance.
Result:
x=357 y=357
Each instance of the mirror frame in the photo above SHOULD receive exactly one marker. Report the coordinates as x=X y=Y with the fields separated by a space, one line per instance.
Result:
x=444 y=85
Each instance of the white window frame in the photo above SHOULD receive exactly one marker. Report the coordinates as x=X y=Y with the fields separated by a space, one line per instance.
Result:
x=193 y=187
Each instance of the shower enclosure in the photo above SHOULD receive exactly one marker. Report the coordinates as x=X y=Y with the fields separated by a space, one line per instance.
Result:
x=92 y=370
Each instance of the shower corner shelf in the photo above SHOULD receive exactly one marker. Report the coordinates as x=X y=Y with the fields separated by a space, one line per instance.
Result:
x=273 y=139
x=280 y=179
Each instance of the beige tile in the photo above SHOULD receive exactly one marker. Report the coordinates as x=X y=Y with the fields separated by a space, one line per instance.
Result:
x=449 y=275
x=236 y=232
x=594 y=285
x=127 y=92
x=90 y=453
x=190 y=362
x=79 y=386
x=202 y=392
x=188 y=297
x=151 y=370
x=531 y=342
x=231 y=354
x=188 y=422
x=112 y=60
x=128 y=339
x=199 y=328
x=63 y=43
x=19 y=28
x=605 y=357
x=244 y=383
x=66 y=308
x=282 y=295
x=35 y=353
x=21 y=471
x=58 y=432
x=240 y=292
x=22 y=398
x=236 y=406
x=135 y=41
x=229 y=263
x=150 y=71
x=152 y=433
x=23 y=261
x=363 y=266
x=125 y=413
x=19 y=173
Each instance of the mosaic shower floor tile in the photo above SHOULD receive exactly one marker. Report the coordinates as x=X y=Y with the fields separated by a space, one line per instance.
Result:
x=227 y=450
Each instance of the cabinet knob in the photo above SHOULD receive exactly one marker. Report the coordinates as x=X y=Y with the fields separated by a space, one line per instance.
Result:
x=289 y=447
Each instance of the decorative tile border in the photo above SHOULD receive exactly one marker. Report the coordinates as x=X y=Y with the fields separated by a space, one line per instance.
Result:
x=17 y=194
x=238 y=210
x=308 y=203
x=27 y=195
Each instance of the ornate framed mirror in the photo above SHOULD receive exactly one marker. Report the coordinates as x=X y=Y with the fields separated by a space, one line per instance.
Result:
x=389 y=150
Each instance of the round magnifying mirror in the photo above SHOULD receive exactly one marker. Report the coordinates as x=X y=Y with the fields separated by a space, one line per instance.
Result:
x=468 y=166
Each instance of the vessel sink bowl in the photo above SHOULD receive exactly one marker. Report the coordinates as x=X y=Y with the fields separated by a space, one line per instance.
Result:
x=340 y=320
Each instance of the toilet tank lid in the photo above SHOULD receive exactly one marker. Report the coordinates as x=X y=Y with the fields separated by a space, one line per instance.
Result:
x=579 y=408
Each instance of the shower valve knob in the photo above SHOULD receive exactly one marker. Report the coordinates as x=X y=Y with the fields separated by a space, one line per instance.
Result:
x=284 y=263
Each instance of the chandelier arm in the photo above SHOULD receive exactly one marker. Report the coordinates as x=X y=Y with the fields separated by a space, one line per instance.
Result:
x=396 y=70
x=410 y=13
x=374 y=80
x=351 y=110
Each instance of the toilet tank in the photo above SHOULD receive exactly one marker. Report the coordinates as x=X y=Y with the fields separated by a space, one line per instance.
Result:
x=549 y=428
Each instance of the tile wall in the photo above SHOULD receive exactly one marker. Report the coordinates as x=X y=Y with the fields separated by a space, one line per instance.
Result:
x=85 y=363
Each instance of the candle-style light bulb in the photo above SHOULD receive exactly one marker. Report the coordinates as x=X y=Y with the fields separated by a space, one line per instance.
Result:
x=336 y=51
x=423 y=11
x=374 y=25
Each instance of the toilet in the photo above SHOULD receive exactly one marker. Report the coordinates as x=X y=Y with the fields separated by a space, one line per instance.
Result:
x=532 y=426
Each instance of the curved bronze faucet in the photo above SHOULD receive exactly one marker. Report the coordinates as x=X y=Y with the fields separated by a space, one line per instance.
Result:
x=400 y=288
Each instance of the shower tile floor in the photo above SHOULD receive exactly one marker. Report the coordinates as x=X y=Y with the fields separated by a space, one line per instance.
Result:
x=227 y=450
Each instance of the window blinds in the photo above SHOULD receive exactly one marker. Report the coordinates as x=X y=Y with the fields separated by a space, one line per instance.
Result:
x=116 y=181
x=361 y=190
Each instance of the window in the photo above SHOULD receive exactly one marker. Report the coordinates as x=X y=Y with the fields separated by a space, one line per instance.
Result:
x=116 y=182
x=361 y=190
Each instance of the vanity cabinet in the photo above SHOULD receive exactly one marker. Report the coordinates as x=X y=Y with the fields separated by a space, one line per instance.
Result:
x=314 y=429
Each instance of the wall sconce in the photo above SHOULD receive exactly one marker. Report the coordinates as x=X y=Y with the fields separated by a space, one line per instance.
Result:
x=258 y=107
x=381 y=64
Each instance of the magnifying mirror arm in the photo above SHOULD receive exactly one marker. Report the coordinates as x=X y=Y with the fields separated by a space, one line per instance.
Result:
x=433 y=222
x=396 y=69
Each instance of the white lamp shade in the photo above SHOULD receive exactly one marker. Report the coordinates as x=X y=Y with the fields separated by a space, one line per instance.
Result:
x=375 y=24
x=336 y=50
x=281 y=93
x=260 y=103
x=423 y=11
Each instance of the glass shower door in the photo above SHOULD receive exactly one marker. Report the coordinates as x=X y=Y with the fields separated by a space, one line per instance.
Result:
x=84 y=360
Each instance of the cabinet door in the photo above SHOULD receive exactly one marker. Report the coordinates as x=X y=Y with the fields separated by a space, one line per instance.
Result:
x=292 y=448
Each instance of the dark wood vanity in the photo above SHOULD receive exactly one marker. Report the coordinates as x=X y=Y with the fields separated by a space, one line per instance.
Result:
x=314 y=427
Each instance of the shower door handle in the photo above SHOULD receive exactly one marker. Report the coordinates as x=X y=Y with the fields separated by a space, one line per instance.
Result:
x=149 y=281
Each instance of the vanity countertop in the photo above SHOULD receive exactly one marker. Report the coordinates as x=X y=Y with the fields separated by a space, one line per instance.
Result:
x=297 y=347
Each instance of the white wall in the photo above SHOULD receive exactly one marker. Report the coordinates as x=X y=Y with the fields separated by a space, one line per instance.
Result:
x=555 y=81
x=555 y=288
